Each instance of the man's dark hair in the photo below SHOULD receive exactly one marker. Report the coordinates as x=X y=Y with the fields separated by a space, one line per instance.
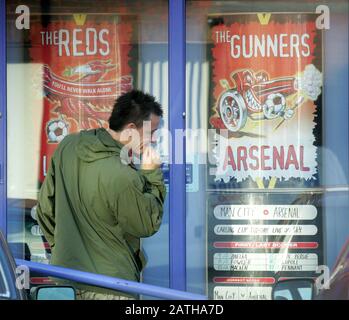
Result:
x=134 y=106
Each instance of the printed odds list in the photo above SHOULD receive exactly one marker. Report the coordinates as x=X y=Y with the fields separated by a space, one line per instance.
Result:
x=250 y=247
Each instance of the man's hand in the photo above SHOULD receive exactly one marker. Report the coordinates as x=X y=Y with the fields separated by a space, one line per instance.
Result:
x=150 y=159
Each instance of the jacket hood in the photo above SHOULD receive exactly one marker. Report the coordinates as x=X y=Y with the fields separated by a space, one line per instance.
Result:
x=97 y=144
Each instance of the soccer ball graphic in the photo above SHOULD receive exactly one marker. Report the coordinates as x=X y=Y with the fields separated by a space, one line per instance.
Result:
x=56 y=131
x=274 y=106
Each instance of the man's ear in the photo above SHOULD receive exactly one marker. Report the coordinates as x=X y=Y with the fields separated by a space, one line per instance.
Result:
x=130 y=125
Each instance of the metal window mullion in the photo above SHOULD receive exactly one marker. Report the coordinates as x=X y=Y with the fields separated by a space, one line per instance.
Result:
x=3 y=132
x=177 y=185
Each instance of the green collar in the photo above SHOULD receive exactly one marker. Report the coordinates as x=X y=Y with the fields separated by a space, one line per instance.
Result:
x=107 y=139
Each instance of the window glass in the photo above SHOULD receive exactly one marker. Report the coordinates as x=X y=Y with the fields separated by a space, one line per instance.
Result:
x=63 y=74
x=267 y=110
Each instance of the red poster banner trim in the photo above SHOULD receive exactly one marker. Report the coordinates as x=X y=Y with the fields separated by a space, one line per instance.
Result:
x=244 y=280
x=266 y=245
x=106 y=89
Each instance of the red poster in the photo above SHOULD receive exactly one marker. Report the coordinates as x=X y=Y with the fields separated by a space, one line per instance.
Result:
x=266 y=94
x=83 y=65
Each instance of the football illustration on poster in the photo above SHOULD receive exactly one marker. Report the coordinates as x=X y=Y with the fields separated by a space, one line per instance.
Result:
x=266 y=97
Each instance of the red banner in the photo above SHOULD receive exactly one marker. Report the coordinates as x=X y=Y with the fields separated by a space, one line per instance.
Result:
x=84 y=67
x=266 y=90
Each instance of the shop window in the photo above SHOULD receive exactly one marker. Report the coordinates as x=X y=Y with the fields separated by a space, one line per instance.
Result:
x=267 y=81
x=64 y=71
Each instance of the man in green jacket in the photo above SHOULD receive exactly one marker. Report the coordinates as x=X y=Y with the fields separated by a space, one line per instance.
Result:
x=95 y=205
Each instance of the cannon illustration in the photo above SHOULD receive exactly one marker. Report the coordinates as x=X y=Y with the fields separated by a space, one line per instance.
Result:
x=258 y=97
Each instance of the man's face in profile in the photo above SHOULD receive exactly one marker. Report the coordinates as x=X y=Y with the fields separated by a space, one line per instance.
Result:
x=141 y=137
x=146 y=133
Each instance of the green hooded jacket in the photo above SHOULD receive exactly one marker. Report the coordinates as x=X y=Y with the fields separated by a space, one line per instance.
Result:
x=93 y=209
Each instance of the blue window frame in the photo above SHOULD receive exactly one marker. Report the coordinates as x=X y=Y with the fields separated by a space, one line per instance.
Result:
x=177 y=121
x=3 y=133
x=177 y=238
